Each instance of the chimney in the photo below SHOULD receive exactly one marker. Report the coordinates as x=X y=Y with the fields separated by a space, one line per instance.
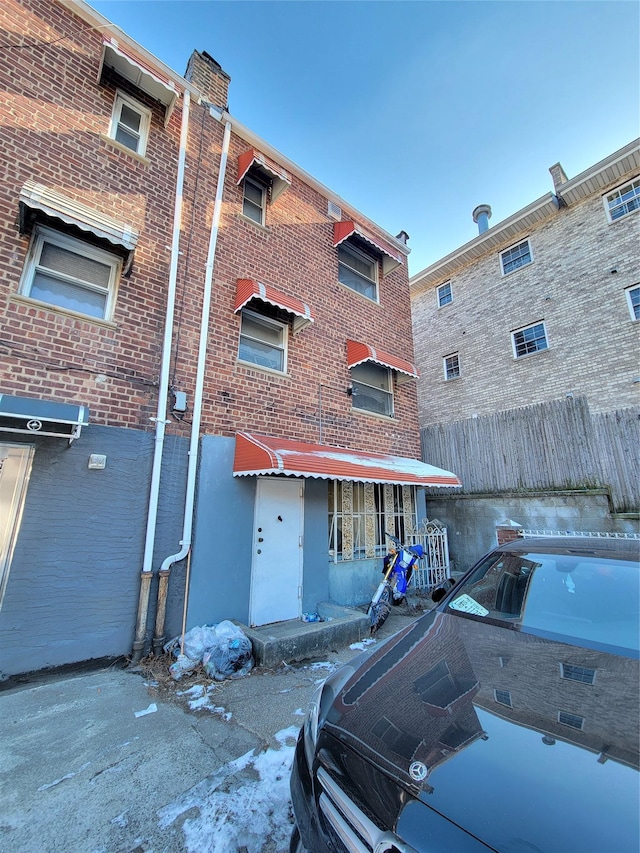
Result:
x=559 y=176
x=207 y=76
x=403 y=237
x=482 y=215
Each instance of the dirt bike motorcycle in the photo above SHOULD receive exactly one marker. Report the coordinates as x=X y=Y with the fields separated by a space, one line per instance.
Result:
x=398 y=568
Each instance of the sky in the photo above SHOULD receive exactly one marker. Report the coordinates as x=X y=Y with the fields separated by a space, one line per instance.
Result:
x=416 y=111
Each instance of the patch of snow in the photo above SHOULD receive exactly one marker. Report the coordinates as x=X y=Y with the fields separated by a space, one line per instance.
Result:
x=368 y=641
x=150 y=710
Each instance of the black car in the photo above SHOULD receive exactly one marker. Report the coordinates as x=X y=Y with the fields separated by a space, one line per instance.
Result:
x=505 y=719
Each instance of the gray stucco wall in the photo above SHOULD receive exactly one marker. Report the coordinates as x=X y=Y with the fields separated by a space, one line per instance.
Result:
x=315 y=580
x=471 y=519
x=223 y=532
x=73 y=586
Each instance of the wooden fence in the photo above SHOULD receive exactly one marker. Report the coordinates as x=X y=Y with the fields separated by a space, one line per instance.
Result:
x=549 y=446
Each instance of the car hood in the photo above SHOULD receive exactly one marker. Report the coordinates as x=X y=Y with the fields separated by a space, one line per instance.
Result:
x=526 y=744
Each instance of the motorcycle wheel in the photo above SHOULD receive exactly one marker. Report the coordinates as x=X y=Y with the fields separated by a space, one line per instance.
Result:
x=379 y=611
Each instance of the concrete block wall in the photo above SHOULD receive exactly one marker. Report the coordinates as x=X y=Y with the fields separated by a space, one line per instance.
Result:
x=582 y=265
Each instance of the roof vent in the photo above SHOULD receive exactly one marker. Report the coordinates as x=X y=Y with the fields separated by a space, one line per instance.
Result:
x=334 y=211
x=482 y=215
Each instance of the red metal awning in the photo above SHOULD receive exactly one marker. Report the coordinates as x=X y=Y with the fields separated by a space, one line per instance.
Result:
x=357 y=353
x=248 y=289
x=391 y=258
x=266 y=169
x=263 y=454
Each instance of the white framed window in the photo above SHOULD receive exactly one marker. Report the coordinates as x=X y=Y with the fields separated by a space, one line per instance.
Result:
x=623 y=200
x=358 y=270
x=502 y=697
x=130 y=123
x=571 y=672
x=263 y=341
x=529 y=340
x=451 y=364
x=572 y=720
x=633 y=301
x=445 y=294
x=372 y=388
x=361 y=513
x=254 y=200
x=70 y=274
x=516 y=257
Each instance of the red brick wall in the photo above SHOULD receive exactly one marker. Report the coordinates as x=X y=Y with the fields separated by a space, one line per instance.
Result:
x=51 y=121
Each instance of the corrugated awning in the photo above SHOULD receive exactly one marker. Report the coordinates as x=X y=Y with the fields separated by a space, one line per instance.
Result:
x=248 y=289
x=391 y=258
x=266 y=169
x=263 y=454
x=357 y=353
x=42 y=417
x=137 y=72
x=55 y=205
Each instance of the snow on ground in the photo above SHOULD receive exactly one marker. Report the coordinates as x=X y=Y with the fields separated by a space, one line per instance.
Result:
x=238 y=813
x=199 y=699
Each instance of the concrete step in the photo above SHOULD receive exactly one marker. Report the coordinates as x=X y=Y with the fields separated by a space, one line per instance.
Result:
x=294 y=641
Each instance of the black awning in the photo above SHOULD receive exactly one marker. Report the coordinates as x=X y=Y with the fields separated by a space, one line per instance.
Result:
x=28 y=416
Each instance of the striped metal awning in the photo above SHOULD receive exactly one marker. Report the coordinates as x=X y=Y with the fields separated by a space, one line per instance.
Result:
x=269 y=171
x=391 y=258
x=249 y=289
x=358 y=353
x=262 y=454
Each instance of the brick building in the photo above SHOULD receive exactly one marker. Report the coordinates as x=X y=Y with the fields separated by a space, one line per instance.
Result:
x=206 y=354
x=526 y=339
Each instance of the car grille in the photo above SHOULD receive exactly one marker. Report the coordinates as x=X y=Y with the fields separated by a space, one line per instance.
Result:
x=353 y=828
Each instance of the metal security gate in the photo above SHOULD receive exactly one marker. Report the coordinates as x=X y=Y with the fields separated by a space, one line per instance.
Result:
x=434 y=568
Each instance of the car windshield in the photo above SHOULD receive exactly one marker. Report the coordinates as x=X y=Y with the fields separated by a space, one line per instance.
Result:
x=589 y=598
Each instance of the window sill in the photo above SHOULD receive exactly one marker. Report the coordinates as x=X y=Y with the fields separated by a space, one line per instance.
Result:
x=65 y=312
x=249 y=365
x=255 y=224
x=357 y=293
x=124 y=150
x=378 y=417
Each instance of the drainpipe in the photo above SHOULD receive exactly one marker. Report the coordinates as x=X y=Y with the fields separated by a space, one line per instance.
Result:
x=158 y=639
x=163 y=393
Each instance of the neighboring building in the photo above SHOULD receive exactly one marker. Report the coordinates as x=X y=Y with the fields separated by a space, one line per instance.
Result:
x=206 y=354
x=526 y=339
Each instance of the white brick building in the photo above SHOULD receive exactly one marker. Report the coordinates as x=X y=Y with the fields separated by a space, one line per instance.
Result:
x=539 y=306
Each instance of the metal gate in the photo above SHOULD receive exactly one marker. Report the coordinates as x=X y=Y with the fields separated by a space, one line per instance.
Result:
x=434 y=568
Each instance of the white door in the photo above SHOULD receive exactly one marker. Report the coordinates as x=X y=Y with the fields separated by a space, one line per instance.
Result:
x=15 y=468
x=276 y=571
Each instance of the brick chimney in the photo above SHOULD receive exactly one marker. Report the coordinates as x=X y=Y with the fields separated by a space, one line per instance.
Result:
x=558 y=175
x=207 y=75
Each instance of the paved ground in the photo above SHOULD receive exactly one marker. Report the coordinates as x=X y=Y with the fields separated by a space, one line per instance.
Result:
x=83 y=771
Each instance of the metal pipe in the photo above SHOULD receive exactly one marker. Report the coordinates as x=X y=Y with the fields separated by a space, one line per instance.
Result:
x=163 y=393
x=199 y=389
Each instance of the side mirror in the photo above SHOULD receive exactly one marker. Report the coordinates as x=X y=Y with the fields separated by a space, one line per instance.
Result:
x=440 y=591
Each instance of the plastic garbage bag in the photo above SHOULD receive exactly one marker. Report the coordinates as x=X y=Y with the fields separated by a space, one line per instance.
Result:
x=223 y=649
x=182 y=666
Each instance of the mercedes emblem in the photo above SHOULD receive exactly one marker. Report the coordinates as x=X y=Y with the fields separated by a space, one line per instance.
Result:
x=418 y=771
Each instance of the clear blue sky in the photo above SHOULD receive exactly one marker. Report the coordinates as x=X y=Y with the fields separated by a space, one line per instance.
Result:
x=415 y=112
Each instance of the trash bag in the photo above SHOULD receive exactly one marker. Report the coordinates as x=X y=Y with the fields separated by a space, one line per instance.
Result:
x=224 y=650
x=231 y=657
x=182 y=666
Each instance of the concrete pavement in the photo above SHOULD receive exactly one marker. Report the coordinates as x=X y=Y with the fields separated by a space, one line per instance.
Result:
x=82 y=770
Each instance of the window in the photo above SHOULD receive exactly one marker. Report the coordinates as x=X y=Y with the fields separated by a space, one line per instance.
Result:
x=451 y=366
x=254 y=200
x=361 y=513
x=263 y=342
x=622 y=201
x=372 y=389
x=358 y=271
x=130 y=124
x=529 y=340
x=70 y=274
x=445 y=296
x=572 y=720
x=502 y=697
x=577 y=673
x=515 y=257
x=633 y=300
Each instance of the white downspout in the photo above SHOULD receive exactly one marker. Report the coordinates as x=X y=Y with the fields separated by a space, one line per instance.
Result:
x=163 y=393
x=158 y=640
